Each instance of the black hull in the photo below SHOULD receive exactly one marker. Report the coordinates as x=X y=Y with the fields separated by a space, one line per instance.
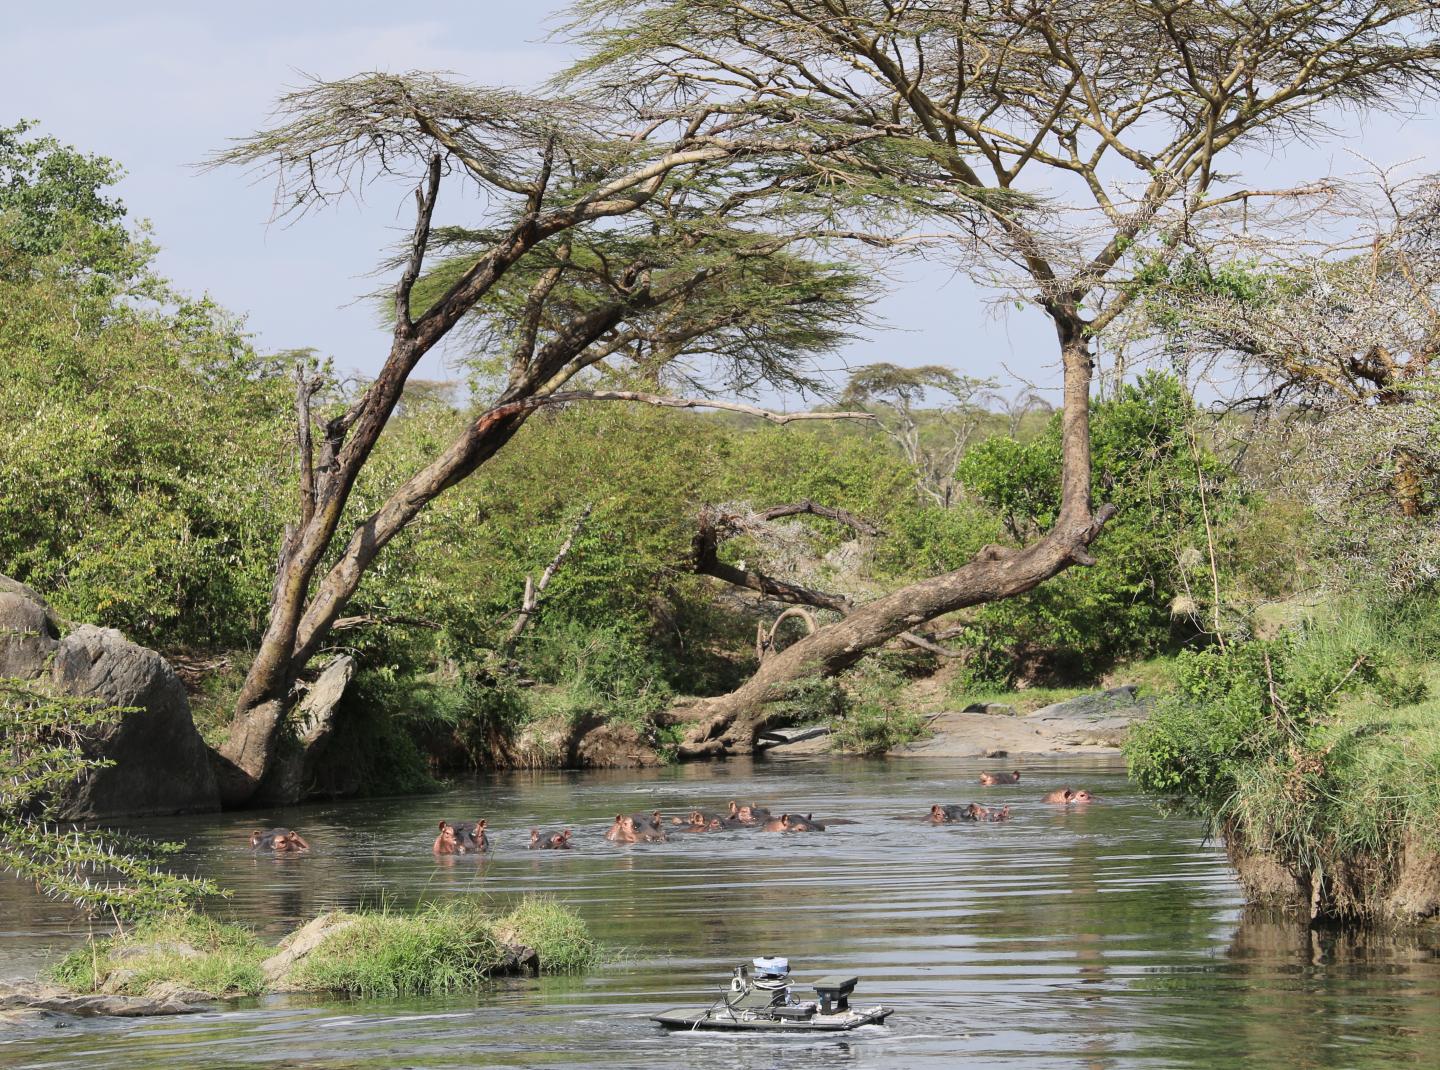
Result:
x=704 y=1018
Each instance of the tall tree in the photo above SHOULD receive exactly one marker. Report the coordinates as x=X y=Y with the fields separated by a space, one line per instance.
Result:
x=1123 y=108
x=597 y=249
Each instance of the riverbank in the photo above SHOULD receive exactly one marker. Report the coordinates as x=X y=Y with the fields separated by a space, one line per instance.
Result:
x=1086 y=723
x=1316 y=758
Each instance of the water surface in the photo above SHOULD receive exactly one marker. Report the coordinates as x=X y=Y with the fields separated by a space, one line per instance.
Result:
x=1106 y=937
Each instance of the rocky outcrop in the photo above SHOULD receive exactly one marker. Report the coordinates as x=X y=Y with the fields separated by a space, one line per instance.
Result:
x=160 y=763
x=1099 y=719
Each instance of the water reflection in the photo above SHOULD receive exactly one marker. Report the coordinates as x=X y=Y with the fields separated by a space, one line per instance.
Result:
x=1100 y=937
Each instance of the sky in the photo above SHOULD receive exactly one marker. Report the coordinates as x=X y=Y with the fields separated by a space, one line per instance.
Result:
x=159 y=86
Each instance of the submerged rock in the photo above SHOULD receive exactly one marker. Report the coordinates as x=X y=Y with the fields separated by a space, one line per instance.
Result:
x=161 y=765
x=37 y=996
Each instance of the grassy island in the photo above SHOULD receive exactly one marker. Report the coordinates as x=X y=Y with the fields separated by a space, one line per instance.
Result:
x=451 y=947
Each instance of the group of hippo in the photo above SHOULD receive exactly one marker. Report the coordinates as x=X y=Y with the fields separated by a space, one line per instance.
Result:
x=469 y=837
x=946 y=815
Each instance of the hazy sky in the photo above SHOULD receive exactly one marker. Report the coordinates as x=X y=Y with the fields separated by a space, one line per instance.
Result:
x=160 y=85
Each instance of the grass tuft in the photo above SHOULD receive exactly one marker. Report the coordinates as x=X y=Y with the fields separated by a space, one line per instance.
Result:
x=188 y=949
x=558 y=935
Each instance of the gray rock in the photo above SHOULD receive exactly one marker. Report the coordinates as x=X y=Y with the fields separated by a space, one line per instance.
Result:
x=1100 y=718
x=34 y=996
x=175 y=992
x=28 y=631
x=994 y=709
x=178 y=948
x=277 y=968
x=160 y=763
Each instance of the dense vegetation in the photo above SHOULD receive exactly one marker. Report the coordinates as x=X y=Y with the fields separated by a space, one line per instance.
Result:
x=147 y=452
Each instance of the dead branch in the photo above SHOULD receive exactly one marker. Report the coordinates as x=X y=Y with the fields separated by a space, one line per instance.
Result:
x=765 y=640
x=859 y=523
x=530 y=603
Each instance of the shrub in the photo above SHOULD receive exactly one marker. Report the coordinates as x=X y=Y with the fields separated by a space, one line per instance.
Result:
x=43 y=750
x=876 y=718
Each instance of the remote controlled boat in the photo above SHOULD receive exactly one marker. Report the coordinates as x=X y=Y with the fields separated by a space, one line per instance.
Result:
x=764 y=1000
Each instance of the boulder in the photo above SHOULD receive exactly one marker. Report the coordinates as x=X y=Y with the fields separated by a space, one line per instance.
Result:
x=299 y=944
x=160 y=763
x=1100 y=718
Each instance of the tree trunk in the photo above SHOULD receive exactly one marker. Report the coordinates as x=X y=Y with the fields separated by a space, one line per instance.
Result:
x=730 y=723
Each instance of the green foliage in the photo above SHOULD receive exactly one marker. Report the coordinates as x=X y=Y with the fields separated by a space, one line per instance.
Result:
x=807 y=700
x=876 y=718
x=181 y=947
x=599 y=670
x=43 y=750
x=143 y=444
x=54 y=206
x=1315 y=747
x=1080 y=623
x=381 y=716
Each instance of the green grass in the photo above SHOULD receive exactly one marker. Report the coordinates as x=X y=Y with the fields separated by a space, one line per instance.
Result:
x=558 y=935
x=449 y=947
x=188 y=949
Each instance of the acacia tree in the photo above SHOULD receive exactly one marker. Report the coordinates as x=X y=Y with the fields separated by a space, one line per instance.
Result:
x=1123 y=108
x=650 y=248
x=1344 y=334
x=956 y=408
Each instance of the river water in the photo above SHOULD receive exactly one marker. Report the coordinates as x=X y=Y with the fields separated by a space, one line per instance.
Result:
x=1106 y=937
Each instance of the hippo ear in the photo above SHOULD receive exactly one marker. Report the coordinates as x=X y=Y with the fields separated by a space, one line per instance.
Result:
x=480 y=823
x=441 y=826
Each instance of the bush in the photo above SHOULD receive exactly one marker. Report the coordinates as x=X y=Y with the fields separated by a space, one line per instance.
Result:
x=1310 y=748
x=876 y=718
